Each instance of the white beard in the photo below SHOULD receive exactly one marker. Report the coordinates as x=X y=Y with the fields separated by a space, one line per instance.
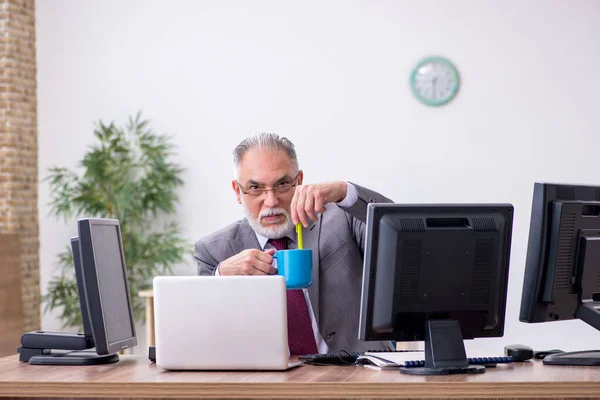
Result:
x=272 y=231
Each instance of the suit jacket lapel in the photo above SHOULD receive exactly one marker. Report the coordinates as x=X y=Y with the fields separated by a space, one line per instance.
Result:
x=311 y=241
x=245 y=239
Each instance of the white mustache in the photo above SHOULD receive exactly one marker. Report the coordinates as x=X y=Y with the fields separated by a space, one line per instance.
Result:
x=271 y=212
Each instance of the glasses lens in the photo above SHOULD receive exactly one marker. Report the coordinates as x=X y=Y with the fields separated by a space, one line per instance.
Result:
x=255 y=192
x=283 y=187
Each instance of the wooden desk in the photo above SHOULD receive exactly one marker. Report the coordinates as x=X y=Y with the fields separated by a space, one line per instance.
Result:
x=135 y=377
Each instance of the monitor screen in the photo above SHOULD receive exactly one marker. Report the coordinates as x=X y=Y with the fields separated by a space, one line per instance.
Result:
x=562 y=270
x=112 y=282
x=434 y=271
x=105 y=276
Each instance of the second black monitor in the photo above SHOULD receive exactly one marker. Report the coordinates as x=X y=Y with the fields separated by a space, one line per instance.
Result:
x=104 y=300
x=562 y=271
x=106 y=284
x=437 y=273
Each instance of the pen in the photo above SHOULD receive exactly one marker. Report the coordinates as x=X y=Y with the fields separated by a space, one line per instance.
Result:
x=299 y=234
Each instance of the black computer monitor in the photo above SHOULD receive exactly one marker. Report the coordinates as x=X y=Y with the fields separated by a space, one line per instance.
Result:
x=104 y=301
x=437 y=273
x=106 y=285
x=562 y=270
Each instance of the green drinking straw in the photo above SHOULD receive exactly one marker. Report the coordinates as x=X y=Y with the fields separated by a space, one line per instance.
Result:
x=299 y=233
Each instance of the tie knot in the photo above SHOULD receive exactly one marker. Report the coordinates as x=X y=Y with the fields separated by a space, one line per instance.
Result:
x=280 y=244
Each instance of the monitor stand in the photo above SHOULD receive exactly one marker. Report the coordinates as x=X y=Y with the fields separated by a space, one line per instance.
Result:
x=444 y=351
x=58 y=348
x=65 y=357
x=588 y=312
x=588 y=309
x=588 y=357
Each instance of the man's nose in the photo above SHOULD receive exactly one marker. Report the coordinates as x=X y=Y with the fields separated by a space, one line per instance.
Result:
x=271 y=200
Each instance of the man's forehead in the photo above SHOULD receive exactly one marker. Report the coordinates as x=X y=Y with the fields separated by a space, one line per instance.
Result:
x=268 y=179
x=267 y=166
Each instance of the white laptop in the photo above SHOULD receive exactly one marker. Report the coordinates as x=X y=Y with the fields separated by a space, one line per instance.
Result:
x=221 y=323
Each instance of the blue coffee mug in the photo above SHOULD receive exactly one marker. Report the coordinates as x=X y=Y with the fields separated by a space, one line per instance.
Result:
x=295 y=266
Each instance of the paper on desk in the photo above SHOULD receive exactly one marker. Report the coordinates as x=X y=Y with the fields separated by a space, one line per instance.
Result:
x=398 y=359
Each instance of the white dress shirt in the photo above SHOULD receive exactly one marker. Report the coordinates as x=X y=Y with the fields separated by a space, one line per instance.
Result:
x=348 y=201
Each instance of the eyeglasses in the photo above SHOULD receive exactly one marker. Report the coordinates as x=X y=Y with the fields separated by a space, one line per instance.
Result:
x=281 y=187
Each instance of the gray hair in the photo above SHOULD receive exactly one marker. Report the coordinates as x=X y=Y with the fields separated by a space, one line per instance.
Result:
x=267 y=141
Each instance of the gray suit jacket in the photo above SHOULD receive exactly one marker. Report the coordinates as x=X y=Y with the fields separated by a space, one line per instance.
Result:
x=337 y=240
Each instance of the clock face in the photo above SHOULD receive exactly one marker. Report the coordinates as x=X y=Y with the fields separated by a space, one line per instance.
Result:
x=434 y=81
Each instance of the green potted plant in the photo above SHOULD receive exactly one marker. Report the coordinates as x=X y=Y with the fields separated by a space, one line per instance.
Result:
x=126 y=175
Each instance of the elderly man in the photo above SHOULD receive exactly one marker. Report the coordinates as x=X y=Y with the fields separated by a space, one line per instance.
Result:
x=269 y=185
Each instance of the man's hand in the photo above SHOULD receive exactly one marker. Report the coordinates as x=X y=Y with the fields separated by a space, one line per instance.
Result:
x=309 y=200
x=249 y=262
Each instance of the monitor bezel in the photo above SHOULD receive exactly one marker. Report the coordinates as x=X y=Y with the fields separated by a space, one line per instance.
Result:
x=93 y=295
x=77 y=264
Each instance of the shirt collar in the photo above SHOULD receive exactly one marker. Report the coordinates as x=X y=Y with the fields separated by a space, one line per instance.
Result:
x=262 y=241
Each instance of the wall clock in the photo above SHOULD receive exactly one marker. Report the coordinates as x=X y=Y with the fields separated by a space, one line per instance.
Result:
x=434 y=81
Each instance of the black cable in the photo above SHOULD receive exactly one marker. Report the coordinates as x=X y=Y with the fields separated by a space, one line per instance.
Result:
x=339 y=358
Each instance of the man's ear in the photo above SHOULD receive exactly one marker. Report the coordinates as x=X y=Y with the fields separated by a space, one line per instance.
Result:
x=236 y=189
x=300 y=177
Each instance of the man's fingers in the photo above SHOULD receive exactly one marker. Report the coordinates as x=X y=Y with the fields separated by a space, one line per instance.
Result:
x=263 y=261
x=265 y=256
x=249 y=262
x=300 y=208
x=293 y=207
x=320 y=205
x=262 y=268
x=273 y=270
x=309 y=207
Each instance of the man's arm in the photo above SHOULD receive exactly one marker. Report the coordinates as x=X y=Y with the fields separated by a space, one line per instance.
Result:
x=365 y=196
x=247 y=262
x=357 y=213
x=311 y=199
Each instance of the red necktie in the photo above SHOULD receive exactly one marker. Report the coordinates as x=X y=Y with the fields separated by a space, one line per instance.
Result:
x=301 y=338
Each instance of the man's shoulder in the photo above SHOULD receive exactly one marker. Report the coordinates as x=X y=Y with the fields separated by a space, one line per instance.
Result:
x=228 y=232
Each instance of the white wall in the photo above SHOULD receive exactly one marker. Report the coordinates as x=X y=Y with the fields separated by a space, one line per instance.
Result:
x=333 y=77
